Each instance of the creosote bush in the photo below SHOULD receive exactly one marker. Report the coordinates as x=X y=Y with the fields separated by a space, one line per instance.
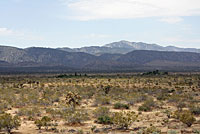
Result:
x=8 y=123
x=121 y=106
x=105 y=119
x=124 y=119
x=185 y=116
x=147 y=105
x=152 y=130
x=44 y=122
x=102 y=114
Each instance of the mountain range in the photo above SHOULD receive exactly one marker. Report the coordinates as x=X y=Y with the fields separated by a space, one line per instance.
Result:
x=123 y=47
x=118 y=56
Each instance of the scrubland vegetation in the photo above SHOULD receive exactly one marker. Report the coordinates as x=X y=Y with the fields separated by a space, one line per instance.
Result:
x=130 y=104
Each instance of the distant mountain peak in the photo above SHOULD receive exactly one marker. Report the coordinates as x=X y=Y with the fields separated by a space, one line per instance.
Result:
x=120 y=44
x=123 y=47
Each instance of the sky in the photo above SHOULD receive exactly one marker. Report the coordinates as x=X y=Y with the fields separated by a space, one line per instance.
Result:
x=78 y=23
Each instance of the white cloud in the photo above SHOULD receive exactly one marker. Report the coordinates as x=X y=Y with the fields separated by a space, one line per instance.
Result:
x=123 y=9
x=5 y=32
x=171 y=20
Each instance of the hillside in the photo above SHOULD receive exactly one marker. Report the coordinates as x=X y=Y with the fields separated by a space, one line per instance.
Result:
x=58 y=60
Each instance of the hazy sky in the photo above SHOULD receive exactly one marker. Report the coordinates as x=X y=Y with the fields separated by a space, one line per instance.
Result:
x=76 y=23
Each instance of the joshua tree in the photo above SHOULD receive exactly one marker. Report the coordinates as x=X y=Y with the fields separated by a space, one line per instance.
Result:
x=73 y=99
x=106 y=89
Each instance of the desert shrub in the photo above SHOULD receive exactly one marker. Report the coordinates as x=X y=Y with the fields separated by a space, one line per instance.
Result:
x=121 y=106
x=144 y=108
x=77 y=117
x=105 y=119
x=44 y=122
x=185 y=116
x=103 y=115
x=8 y=123
x=195 y=110
x=124 y=119
x=152 y=130
x=147 y=105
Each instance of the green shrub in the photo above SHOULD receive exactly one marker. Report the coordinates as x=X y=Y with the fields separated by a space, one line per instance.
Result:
x=104 y=120
x=185 y=116
x=144 y=108
x=124 y=119
x=147 y=105
x=7 y=122
x=121 y=106
x=102 y=114
x=152 y=130
x=44 y=122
